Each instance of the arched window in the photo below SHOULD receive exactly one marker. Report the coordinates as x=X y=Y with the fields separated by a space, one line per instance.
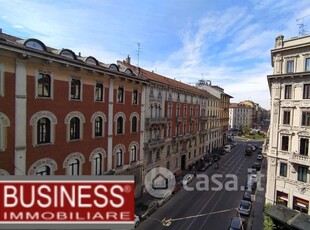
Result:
x=98 y=163
x=45 y=166
x=4 y=123
x=73 y=163
x=74 y=167
x=120 y=125
x=133 y=153
x=43 y=170
x=43 y=127
x=134 y=124
x=43 y=131
x=98 y=127
x=96 y=159
x=119 y=157
x=74 y=128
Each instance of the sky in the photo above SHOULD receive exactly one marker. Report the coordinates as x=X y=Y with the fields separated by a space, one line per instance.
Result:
x=225 y=41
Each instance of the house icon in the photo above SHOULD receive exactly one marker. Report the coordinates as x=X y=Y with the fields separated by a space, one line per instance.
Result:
x=160 y=182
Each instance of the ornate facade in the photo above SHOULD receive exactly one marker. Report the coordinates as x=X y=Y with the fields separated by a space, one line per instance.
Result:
x=287 y=148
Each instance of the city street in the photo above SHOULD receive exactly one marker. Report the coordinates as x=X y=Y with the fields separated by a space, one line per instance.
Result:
x=188 y=209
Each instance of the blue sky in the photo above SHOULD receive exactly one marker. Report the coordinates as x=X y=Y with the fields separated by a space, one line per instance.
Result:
x=225 y=41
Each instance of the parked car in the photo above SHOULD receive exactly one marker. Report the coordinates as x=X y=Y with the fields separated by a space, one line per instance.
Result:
x=251 y=184
x=145 y=209
x=237 y=223
x=203 y=167
x=259 y=157
x=245 y=207
x=209 y=160
x=137 y=220
x=165 y=198
x=247 y=195
x=227 y=148
x=257 y=165
x=216 y=157
x=188 y=178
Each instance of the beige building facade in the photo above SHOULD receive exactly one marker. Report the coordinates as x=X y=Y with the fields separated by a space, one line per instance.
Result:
x=287 y=147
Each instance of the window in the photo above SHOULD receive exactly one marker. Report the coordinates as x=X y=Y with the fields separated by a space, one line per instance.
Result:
x=74 y=167
x=98 y=127
x=286 y=117
x=290 y=66
x=306 y=91
x=305 y=118
x=99 y=92
x=98 y=162
x=44 y=85
x=119 y=157
x=4 y=124
x=120 y=95
x=133 y=153
x=283 y=169
x=1 y=80
x=168 y=150
x=284 y=145
x=74 y=128
x=134 y=124
x=302 y=173
x=43 y=170
x=288 y=92
x=304 y=146
x=307 y=66
x=75 y=89
x=119 y=125
x=135 y=97
x=43 y=131
x=158 y=154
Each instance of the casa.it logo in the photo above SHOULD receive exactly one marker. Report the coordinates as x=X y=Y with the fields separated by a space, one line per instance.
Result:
x=159 y=181
x=67 y=202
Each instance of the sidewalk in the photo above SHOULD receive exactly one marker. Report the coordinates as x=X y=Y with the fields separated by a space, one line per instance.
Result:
x=256 y=221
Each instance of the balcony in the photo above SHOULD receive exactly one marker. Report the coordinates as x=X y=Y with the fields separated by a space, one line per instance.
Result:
x=157 y=120
x=154 y=143
x=299 y=159
x=203 y=118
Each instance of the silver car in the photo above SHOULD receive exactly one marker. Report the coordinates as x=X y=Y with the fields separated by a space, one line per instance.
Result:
x=245 y=207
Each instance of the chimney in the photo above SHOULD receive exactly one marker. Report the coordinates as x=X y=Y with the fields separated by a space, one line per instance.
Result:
x=79 y=54
x=0 y=30
x=128 y=59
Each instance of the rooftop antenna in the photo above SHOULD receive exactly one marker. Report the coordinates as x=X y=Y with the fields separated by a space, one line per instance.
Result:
x=138 y=51
x=301 y=24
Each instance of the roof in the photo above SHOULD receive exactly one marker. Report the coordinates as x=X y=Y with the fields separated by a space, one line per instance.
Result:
x=238 y=105
x=19 y=45
x=160 y=79
x=281 y=213
x=301 y=221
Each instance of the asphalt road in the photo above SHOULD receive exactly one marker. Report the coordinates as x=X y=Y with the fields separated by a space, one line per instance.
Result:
x=207 y=209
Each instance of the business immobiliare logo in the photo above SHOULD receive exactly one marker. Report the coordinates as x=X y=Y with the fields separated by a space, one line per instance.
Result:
x=66 y=202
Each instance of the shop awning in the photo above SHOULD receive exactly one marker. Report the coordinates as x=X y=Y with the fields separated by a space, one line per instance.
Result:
x=301 y=221
x=281 y=213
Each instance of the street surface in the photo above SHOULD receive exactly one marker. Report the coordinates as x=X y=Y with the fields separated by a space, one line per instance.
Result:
x=188 y=209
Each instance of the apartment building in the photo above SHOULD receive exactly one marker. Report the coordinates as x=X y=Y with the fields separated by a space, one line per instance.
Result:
x=182 y=122
x=219 y=109
x=240 y=116
x=287 y=148
x=65 y=114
